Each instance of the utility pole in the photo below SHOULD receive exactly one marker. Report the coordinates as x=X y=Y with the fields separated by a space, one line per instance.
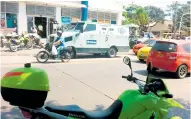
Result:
x=175 y=19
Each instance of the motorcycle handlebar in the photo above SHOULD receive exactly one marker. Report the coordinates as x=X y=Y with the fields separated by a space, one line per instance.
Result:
x=153 y=87
x=129 y=78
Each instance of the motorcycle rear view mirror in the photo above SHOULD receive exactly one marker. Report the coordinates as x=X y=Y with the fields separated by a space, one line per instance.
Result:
x=127 y=61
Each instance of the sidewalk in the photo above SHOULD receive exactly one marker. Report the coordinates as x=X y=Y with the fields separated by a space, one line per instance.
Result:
x=7 y=52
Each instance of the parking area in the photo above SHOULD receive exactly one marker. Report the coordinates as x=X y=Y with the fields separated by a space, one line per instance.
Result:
x=93 y=83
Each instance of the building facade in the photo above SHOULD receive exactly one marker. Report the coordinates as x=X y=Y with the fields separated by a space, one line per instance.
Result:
x=25 y=15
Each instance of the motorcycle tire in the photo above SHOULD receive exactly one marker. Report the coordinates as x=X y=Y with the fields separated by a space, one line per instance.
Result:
x=13 y=47
x=29 y=45
x=39 y=57
x=65 y=57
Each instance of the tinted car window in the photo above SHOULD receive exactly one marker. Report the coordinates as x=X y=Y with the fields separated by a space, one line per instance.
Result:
x=151 y=44
x=186 y=48
x=147 y=41
x=90 y=27
x=165 y=46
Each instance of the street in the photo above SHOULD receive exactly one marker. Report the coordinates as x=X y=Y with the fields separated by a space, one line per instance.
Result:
x=92 y=83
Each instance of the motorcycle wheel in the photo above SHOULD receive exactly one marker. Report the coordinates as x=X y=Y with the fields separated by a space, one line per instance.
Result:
x=29 y=45
x=65 y=57
x=42 y=57
x=13 y=47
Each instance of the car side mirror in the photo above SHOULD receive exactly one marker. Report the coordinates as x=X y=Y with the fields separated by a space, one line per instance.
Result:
x=81 y=29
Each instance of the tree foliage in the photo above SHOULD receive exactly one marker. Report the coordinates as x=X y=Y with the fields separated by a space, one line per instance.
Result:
x=176 y=11
x=155 y=14
x=136 y=15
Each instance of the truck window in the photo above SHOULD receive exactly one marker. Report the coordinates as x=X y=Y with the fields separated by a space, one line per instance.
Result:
x=104 y=29
x=111 y=29
x=121 y=30
x=90 y=27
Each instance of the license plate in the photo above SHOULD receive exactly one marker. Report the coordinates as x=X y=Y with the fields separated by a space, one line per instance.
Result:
x=142 y=55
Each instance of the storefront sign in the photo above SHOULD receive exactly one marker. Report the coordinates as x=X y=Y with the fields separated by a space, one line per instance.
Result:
x=66 y=20
x=100 y=21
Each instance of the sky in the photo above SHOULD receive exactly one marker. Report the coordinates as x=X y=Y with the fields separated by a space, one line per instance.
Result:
x=159 y=3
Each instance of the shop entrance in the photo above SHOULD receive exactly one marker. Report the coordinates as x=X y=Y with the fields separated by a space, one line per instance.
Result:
x=41 y=24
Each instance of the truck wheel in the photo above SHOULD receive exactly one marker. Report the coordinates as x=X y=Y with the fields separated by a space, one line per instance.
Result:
x=182 y=71
x=112 y=52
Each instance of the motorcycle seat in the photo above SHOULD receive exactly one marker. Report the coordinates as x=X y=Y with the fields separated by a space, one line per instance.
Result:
x=112 y=112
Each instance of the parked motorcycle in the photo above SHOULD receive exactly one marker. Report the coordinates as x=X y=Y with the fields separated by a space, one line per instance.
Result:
x=43 y=56
x=151 y=101
x=35 y=39
x=3 y=40
x=18 y=43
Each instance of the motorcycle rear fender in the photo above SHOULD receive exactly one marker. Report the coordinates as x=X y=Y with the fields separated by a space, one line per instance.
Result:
x=47 y=52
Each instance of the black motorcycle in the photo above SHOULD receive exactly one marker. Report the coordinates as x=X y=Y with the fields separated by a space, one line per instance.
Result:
x=43 y=56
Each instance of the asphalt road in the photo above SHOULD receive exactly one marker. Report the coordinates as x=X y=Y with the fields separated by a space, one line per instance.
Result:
x=93 y=83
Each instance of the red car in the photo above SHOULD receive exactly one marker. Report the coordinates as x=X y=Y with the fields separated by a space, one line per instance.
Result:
x=172 y=56
x=140 y=45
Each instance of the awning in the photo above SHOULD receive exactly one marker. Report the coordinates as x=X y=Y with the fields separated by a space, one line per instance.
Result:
x=56 y=3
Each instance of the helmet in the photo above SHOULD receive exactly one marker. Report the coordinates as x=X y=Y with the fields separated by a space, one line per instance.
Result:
x=59 y=31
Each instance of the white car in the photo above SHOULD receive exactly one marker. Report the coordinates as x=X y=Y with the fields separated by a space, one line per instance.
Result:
x=188 y=38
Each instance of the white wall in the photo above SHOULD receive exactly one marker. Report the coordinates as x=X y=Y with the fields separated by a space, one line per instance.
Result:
x=58 y=14
x=111 y=5
x=22 y=18
x=119 y=18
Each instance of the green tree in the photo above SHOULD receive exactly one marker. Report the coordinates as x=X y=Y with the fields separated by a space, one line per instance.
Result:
x=176 y=10
x=155 y=15
x=136 y=15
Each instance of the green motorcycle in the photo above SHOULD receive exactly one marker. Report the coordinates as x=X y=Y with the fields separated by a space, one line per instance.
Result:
x=151 y=101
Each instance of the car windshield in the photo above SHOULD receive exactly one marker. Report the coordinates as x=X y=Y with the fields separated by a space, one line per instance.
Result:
x=151 y=44
x=73 y=26
x=147 y=41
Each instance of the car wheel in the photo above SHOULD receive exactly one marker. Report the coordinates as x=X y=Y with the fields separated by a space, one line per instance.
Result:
x=182 y=71
x=151 y=69
x=141 y=60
